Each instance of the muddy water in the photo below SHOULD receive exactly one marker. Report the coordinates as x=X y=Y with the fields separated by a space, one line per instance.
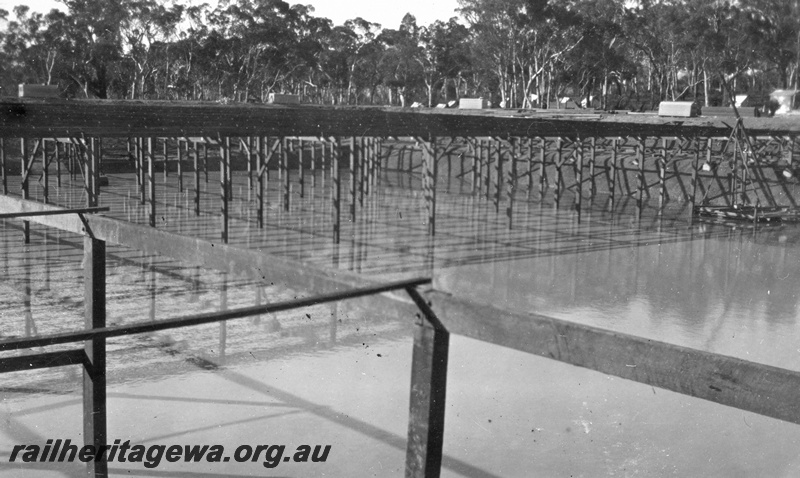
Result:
x=724 y=290
x=340 y=375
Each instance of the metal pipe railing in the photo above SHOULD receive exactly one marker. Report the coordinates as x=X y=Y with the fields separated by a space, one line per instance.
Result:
x=205 y=318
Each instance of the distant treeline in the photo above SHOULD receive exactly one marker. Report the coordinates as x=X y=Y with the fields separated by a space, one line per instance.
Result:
x=518 y=53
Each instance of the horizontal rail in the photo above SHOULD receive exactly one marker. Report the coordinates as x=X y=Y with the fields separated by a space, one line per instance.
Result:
x=43 y=360
x=26 y=118
x=54 y=212
x=758 y=388
x=206 y=318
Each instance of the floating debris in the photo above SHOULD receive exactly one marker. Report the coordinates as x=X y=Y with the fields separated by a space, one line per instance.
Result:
x=750 y=213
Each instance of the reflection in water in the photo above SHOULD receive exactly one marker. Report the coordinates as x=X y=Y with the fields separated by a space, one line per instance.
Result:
x=706 y=286
x=223 y=326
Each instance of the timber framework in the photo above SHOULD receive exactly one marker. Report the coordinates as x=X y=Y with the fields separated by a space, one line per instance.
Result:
x=504 y=156
x=500 y=157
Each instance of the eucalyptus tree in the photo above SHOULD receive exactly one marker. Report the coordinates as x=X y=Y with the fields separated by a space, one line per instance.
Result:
x=522 y=43
x=599 y=60
x=400 y=62
x=444 y=56
x=22 y=48
x=93 y=48
x=251 y=43
x=308 y=50
x=149 y=33
x=187 y=60
x=775 y=28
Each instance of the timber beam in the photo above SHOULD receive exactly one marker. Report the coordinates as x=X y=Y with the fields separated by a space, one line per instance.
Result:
x=103 y=118
x=730 y=381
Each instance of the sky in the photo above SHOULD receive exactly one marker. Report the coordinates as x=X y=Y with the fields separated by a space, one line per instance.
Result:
x=387 y=13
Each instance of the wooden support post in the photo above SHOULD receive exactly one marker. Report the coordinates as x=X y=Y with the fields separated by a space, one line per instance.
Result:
x=134 y=142
x=165 y=155
x=313 y=166
x=353 y=179
x=559 y=180
x=428 y=394
x=26 y=225
x=378 y=164
x=487 y=148
x=401 y=157
x=85 y=149
x=362 y=169
x=45 y=175
x=497 y=149
x=376 y=150
x=640 y=158
x=336 y=189
x=529 y=171
x=472 y=150
x=97 y=164
x=662 y=166
x=285 y=145
x=370 y=154
x=196 y=163
x=476 y=168
x=205 y=161
x=250 y=153
x=180 y=162
x=612 y=183
x=73 y=157
x=229 y=173
x=695 y=166
x=91 y=175
x=94 y=373
x=732 y=172
x=542 y=168
x=578 y=173
x=481 y=167
x=744 y=170
x=709 y=148
x=224 y=159
x=429 y=174
x=260 y=181
x=3 y=165
x=326 y=153
x=57 y=157
x=269 y=152
x=592 y=159
x=151 y=180
x=377 y=155
x=512 y=179
x=449 y=174
x=301 y=168
x=142 y=179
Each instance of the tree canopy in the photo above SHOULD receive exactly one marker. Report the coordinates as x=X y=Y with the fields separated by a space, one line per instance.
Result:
x=517 y=53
